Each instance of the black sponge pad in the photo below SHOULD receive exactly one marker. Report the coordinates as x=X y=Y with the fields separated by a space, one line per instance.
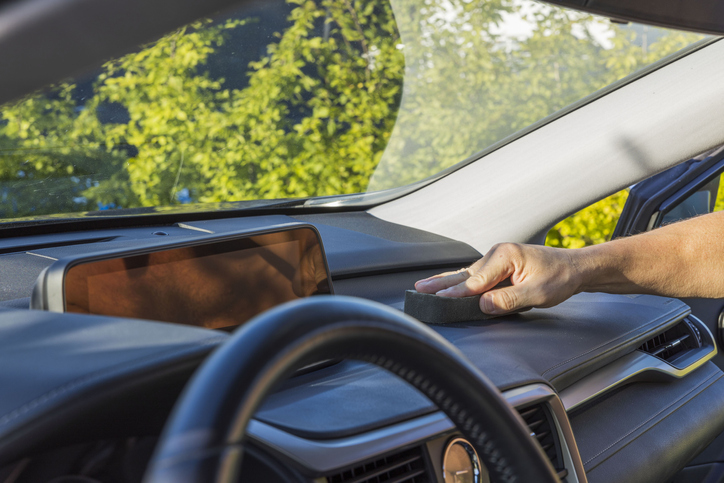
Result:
x=433 y=309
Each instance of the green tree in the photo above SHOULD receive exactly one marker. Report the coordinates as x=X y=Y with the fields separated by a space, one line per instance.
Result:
x=322 y=112
x=48 y=157
x=590 y=226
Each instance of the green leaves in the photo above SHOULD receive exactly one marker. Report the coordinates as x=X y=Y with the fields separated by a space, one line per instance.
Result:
x=319 y=112
x=590 y=226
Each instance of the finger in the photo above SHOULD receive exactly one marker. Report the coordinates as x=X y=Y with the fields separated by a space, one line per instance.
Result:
x=448 y=279
x=441 y=281
x=505 y=300
x=439 y=275
x=494 y=270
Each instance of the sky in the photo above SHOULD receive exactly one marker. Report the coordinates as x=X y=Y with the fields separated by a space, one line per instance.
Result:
x=515 y=26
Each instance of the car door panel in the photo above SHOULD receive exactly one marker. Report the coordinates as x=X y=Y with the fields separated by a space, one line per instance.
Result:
x=687 y=190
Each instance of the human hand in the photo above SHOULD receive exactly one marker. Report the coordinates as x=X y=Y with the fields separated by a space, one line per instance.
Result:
x=539 y=277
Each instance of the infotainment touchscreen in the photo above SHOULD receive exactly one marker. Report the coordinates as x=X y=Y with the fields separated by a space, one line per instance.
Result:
x=215 y=284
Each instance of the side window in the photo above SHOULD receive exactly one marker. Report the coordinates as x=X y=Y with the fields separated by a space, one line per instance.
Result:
x=595 y=223
x=706 y=200
x=590 y=226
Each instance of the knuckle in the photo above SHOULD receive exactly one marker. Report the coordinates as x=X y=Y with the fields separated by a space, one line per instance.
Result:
x=512 y=252
x=513 y=248
x=507 y=300
x=478 y=263
x=476 y=279
x=497 y=250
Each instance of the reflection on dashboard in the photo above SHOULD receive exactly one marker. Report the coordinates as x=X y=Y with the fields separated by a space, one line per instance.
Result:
x=215 y=285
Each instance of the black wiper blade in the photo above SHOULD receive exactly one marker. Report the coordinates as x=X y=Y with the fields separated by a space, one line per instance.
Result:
x=198 y=207
x=189 y=209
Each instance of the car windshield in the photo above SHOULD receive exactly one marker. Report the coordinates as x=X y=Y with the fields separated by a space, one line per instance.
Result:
x=307 y=98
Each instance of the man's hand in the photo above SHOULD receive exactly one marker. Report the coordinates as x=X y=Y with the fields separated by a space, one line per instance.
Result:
x=539 y=277
x=684 y=259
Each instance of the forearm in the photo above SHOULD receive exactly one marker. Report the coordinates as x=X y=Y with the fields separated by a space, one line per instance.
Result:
x=684 y=259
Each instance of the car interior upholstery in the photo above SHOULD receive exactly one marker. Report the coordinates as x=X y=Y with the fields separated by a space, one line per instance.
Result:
x=601 y=388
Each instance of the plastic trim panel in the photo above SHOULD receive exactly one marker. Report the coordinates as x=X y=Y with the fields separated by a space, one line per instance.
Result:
x=326 y=456
x=637 y=366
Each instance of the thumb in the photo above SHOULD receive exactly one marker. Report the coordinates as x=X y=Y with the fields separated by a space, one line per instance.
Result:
x=504 y=300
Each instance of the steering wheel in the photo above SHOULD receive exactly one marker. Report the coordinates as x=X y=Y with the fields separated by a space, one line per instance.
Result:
x=202 y=441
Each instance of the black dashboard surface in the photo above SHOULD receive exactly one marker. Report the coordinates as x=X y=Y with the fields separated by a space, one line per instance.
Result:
x=356 y=244
x=555 y=346
x=63 y=367
x=43 y=354
x=66 y=369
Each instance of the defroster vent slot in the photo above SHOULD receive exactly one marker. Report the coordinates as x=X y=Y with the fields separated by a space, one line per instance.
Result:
x=408 y=466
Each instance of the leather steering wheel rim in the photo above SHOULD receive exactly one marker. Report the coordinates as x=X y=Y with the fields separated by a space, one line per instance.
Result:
x=202 y=441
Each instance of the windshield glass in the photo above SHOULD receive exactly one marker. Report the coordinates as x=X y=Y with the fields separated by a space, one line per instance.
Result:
x=304 y=98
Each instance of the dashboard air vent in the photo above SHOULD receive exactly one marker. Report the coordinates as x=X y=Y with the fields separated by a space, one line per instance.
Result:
x=406 y=467
x=673 y=343
x=543 y=428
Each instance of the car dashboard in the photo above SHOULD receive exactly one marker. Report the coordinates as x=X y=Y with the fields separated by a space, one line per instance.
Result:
x=613 y=387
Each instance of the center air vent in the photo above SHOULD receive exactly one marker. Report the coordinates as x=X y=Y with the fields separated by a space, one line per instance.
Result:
x=673 y=343
x=542 y=426
x=405 y=467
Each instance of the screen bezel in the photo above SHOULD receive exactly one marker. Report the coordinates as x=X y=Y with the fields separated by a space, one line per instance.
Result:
x=49 y=290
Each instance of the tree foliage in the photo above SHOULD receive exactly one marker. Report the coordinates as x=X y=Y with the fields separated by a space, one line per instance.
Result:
x=590 y=226
x=320 y=111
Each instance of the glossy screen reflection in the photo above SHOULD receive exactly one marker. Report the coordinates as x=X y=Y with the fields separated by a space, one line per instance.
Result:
x=214 y=285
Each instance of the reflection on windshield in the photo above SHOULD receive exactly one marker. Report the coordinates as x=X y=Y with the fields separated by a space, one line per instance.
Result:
x=302 y=98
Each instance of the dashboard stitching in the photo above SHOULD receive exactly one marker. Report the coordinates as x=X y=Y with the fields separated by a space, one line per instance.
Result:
x=48 y=396
x=655 y=321
x=720 y=375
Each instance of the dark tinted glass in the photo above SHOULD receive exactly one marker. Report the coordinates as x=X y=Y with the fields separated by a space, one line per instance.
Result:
x=215 y=285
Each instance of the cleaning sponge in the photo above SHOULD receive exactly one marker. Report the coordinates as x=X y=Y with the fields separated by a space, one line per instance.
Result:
x=433 y=309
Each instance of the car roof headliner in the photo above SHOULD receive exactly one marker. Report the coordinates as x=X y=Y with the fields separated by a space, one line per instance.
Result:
x=45 y=41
